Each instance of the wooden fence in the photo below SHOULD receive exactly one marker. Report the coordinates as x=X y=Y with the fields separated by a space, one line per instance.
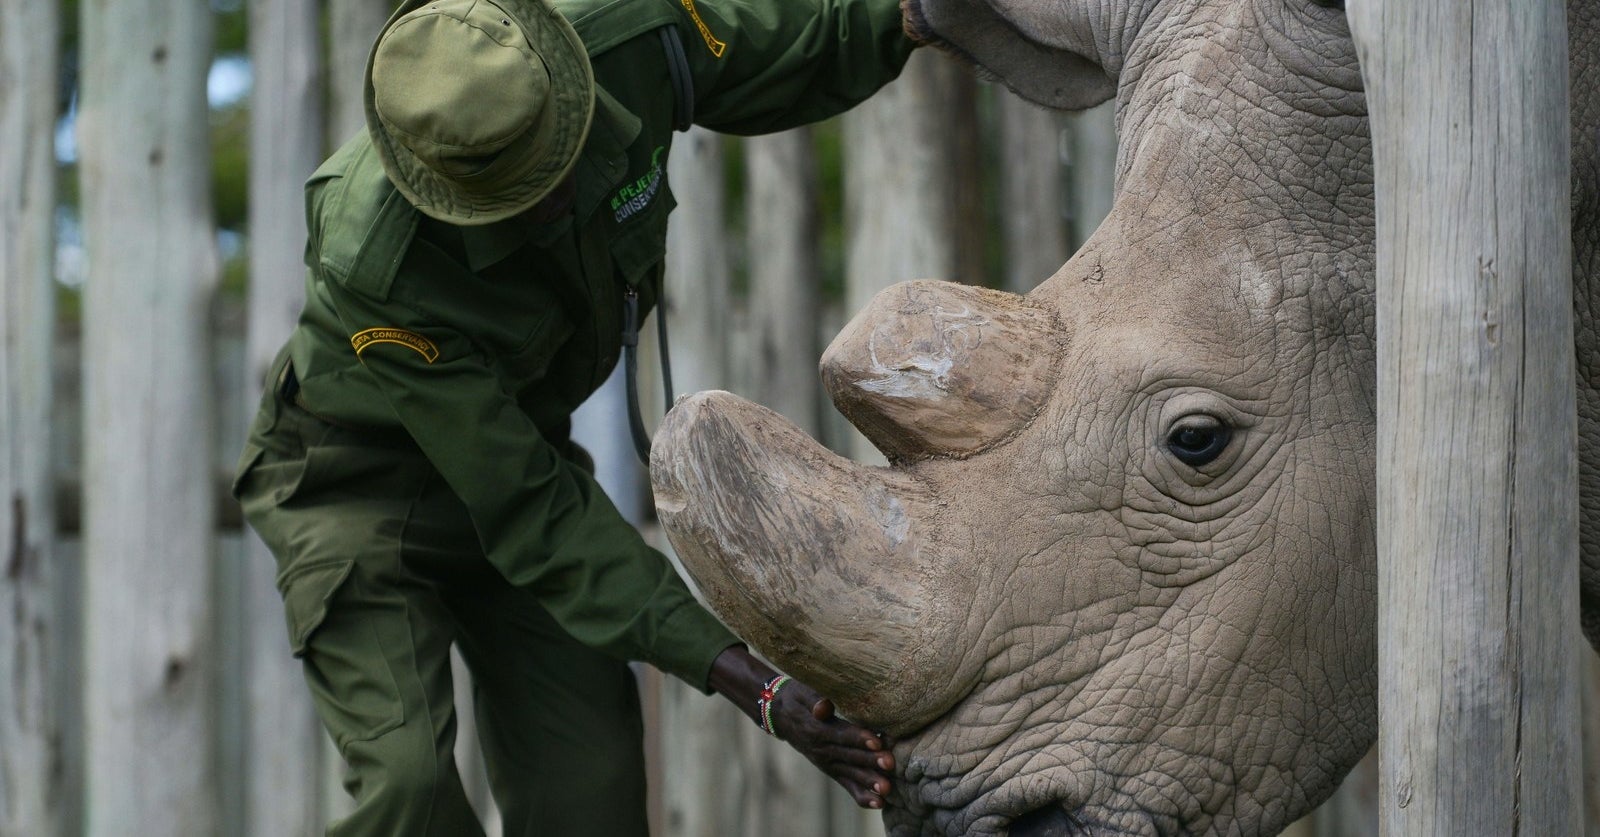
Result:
x=150 y=689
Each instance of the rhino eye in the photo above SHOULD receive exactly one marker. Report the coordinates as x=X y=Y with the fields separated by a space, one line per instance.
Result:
x=1199 y=440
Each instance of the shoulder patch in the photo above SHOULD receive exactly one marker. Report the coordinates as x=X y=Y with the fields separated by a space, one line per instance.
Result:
x=717 y=47
x=398 y=336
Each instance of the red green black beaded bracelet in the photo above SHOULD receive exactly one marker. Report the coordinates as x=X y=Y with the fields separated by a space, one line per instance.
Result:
x=769 y=693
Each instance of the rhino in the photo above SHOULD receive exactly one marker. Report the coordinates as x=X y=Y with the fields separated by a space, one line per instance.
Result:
x=1119 y=575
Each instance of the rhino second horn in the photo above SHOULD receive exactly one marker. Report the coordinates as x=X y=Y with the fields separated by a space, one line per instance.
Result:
x=821 y=564
x=937 y=369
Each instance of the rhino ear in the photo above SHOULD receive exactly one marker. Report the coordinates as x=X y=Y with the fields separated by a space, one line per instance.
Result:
x=936 y=369
x=1053 y=76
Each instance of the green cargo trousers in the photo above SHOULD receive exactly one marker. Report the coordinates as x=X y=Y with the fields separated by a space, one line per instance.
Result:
x=380 y=573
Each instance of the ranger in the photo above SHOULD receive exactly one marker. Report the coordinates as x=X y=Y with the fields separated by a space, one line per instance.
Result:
x=474 y=260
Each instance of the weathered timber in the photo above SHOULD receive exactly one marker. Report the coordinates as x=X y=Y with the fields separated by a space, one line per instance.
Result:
x=781 y=243
x=899 y=188
x=30 y=757
x=1477 y=470
x=1032 y=192
x=701 y=789
x=1093 y=176
x=149 y=671
x=280 y=734
x=352 y=27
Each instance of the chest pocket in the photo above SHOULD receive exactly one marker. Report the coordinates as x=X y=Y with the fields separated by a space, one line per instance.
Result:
x=640 y=243
x=532 y=334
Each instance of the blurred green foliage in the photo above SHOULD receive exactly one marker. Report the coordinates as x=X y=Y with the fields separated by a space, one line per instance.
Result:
x=230 y=150
x=829 y=143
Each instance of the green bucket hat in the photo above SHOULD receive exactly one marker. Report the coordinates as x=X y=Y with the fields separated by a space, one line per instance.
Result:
x=478 y=109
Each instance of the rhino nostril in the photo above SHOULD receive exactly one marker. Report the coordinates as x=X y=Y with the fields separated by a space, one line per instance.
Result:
x=1049 y=821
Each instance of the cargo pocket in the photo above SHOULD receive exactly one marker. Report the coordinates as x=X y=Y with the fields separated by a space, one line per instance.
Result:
x=338 y=639
x=307 y=591
x=260 y=486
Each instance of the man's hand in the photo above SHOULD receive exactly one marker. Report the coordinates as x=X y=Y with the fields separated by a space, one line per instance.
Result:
x=856 y=758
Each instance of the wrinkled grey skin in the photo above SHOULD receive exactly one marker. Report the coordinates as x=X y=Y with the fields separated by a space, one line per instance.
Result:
x=1188 y=650
x=1232 y=694
x=1583 y=21
x=1147 y=646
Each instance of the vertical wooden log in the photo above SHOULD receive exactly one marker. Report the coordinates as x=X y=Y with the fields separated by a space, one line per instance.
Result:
x=961 y=140
x=1477 y=485
x=781 y=234
x=281 y=732
x=698 y=269
x=1032 y=203
x=30 y=761
x=148 y=418
x=1093 y=180
x=352 y=27
x=702 y=788
x=781 y=239
x=899 y=193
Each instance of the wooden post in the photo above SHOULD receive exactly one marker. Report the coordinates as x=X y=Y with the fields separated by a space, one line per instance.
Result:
x=148 y=408
x=899 y=189
x=30 y=796
x=781 y=240
x=1477 y=485
x=1032 y=200
x=352 y=27
x=702 y=788
x=698 y=269
x=1093 y=134
x=281 y=734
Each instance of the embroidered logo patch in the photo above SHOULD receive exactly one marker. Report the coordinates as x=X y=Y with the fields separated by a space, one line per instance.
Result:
x=635 y=196
x=712 y=43
x=398 y=336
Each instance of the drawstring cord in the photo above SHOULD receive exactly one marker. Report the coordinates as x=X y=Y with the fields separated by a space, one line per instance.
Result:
x=630 y=354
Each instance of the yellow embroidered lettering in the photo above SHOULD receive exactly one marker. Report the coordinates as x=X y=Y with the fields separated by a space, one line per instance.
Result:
x=398 y=336
x=717 y=47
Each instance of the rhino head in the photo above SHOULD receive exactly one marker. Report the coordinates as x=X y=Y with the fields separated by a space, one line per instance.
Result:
x=1119 y=575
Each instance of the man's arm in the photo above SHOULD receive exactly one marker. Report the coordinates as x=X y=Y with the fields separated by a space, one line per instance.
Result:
x=854 y=757
x=760 y=67
x=542 y=521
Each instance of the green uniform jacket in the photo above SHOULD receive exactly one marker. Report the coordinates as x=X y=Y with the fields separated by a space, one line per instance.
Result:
x=479 y=342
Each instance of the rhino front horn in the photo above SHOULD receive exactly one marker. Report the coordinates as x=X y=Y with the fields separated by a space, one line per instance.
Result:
x=937 y=369
x=823 y=565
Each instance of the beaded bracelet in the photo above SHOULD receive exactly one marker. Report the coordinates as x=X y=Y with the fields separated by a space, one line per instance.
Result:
x=769 y=693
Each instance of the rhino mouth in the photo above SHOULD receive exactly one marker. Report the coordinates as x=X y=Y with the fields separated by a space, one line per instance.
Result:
x=975 y=797
x=1048 y=821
